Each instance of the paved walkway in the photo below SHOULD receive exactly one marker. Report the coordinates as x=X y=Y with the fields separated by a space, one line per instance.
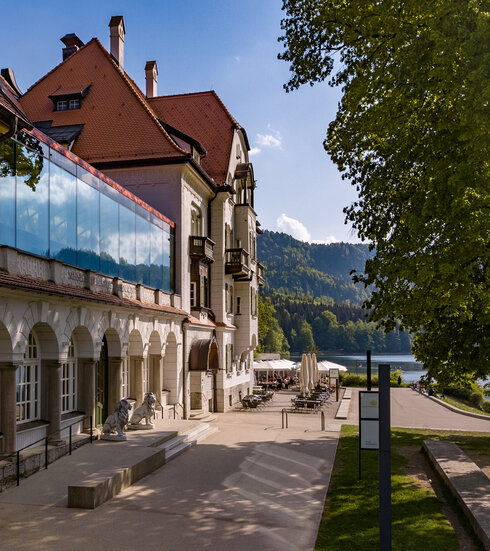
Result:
x=252 y=485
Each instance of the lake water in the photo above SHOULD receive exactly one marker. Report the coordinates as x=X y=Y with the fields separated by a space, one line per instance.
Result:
x=412 y=370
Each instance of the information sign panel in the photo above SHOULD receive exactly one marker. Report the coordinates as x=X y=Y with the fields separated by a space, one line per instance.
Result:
x=369 y=405
x=334 y=373
x=369 y=434
x=369 y=420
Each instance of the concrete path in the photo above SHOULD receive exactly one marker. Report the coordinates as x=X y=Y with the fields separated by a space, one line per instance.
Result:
x=413 y=410
x=252 y=485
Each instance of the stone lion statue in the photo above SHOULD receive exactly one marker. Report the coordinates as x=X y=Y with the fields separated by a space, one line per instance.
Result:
x=117 y=421
x=146 y=411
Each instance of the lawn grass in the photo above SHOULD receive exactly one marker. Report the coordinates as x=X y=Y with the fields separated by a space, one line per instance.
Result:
x=350 y=519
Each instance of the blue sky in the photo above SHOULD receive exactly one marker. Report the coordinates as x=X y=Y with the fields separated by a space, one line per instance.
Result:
x=227 y=46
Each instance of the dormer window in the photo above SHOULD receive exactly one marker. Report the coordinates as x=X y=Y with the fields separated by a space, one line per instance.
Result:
x=66 y=99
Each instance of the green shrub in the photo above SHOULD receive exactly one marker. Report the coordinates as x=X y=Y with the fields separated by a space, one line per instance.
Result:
x=353 y=379
x=476 y=399
x=486 y=406
x=472 y=395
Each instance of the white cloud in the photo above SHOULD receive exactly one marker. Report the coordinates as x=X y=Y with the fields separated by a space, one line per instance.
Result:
x=293 y=227
x=272 y=139
x=327 y=241
x=238 y=58
x=254 y=151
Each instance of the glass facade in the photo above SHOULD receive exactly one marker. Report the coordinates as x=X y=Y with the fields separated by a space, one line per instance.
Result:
x=52 y=207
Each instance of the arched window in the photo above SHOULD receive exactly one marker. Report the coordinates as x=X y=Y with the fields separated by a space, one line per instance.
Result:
x=196 y=220
x=28 y=384
x=69 y=381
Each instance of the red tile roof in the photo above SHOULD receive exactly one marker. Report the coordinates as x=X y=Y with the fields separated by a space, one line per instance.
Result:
x=118 y=123
x=203 y=116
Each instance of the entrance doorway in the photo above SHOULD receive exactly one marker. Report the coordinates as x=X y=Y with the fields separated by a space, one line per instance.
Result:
x=101 y=384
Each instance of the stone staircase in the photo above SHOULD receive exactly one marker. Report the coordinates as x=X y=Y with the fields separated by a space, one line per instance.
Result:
x=202 y=415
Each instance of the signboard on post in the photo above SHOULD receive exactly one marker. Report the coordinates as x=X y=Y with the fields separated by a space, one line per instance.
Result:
x=333 y=374
x=368 y=420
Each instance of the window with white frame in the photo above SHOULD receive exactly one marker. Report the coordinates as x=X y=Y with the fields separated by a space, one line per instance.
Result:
x=229 y=358
x=146 y=376
x=69 y=381
x=61 y=105
x=74 y=104
x=196 y=220
x=28 y=384
x=193 y=293
x=125 y=377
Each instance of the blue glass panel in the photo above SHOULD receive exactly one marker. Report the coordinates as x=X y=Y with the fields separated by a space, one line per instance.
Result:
x=156 y=256
x=32 y=202
x=142 y=250
x=7 y=193
x=87 y=227
x=167 y=284
x=127 y=244
x=62 y=161
x=88 y=178
x=109 y=236
x=62 y=215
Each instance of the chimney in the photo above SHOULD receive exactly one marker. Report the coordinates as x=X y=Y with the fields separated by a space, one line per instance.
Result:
x=118 y=31
x=151 y=73
x=72 y=44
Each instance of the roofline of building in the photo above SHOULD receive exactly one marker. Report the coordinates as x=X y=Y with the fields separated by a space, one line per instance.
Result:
x=158 y=161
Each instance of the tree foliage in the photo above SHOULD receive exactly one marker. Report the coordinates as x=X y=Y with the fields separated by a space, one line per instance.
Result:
x=411 y=134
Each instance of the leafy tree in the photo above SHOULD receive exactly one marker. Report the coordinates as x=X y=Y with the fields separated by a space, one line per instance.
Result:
x=271 y=336
x=411 y=134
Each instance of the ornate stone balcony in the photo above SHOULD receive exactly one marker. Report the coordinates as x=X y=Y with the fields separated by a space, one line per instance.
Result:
x=201 y=248
x=237 y=263
x=260 y=274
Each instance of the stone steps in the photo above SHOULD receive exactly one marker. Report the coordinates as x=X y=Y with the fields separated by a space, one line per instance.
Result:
x=99 y=487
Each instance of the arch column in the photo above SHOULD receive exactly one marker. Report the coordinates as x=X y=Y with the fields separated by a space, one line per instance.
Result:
x=86 y=384
x=156 y=375
x=114 y=383
x=136 y=363
x=54 y=399
x=8 y=425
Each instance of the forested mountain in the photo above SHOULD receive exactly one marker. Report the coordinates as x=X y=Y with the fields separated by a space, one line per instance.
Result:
x=296 y=267
x=309 y=301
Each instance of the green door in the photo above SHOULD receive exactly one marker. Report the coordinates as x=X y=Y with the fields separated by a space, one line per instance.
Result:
x=101 y=386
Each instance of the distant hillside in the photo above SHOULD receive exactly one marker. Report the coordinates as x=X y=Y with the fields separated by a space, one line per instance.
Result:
x=294 y=267
x=310 y=303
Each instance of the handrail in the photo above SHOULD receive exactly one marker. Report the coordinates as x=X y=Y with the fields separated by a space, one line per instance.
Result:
x=45 y=439
x=161 y=406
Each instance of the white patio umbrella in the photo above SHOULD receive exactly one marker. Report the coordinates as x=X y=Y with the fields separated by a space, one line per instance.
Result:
x=316 y=374
x=303 y=375
x=311 y=374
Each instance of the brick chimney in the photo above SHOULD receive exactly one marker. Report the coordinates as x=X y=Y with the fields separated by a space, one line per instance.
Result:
x=118 y=31
x=72 y=44
x=151 y=73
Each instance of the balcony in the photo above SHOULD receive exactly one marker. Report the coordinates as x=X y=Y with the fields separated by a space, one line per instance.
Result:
x=237 y=263
x=260 y=274
x=201 y=248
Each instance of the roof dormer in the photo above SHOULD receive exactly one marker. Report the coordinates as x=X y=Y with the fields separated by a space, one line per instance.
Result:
x=65 y=99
